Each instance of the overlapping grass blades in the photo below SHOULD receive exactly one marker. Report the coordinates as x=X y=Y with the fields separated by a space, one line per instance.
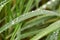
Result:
x=26 y=16
x=3 y=3
x=23 y=22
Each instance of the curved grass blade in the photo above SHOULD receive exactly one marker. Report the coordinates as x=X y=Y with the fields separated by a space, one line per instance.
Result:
x=26 y=16
x=39 y=20
x=47 y=30
x=28 y=34
x=2 y=4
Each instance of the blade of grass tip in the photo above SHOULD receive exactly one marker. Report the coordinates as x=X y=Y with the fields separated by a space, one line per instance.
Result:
x=28 y=6
x=47 y=30
x=2 y=4
x=26 y=16
x=37 y=3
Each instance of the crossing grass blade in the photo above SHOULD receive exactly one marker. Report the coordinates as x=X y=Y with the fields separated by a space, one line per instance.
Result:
x=26 y=16
x=2 y=4
x=47 y=30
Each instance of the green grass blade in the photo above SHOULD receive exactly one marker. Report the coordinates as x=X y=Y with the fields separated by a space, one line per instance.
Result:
x=37 y=3
x=39 y=20
x=47 y=30
x=28 y=6
x=26 y=16
x=2 y=5
x=53 y=35
x=50 y=4
x=33 y=22
x=29 y=34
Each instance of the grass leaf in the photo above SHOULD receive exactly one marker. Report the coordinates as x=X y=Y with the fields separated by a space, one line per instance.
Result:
x=47 y=30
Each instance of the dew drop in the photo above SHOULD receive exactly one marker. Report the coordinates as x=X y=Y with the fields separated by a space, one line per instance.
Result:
x=44 y=6
x=32 y=11
x=49 y=2
x=2 y=5
x=54 y=32
x=13 y=22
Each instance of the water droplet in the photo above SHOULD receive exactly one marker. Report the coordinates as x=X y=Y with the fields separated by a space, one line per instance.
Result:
x=54 y=32
x=2 y=5
x=13 y=22
x=44 y=6
x=49 y=2
x=32 y=11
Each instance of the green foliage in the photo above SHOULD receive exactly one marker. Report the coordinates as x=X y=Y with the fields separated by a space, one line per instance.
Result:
x=30 y=20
